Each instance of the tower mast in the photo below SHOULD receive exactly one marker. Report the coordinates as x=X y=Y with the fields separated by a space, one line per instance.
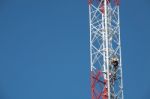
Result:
x=105 y=49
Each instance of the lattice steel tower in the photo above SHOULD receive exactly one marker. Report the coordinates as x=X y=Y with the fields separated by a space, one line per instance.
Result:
x=105 y=50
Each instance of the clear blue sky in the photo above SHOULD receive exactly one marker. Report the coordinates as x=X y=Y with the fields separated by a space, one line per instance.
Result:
x=44 y=49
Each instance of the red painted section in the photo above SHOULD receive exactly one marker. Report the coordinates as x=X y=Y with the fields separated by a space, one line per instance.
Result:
x=117 y=2
x=90 y=2
x=105 y=93
x=98 y=86
x=102 y=9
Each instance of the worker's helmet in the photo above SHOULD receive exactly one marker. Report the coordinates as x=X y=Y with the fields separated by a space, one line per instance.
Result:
x=114 y=61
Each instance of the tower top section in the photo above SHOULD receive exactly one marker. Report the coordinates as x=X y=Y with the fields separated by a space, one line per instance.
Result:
x=115 y=2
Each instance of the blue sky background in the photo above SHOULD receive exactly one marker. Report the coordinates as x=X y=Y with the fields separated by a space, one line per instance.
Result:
x=44 y=49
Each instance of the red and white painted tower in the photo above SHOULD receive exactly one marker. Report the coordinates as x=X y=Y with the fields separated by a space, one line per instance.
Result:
x=105 y=49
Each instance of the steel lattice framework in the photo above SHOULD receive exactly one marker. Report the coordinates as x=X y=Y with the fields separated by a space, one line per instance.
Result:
x=105 y=50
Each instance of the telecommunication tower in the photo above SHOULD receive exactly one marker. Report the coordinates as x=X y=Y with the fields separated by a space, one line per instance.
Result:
x=105 y=49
